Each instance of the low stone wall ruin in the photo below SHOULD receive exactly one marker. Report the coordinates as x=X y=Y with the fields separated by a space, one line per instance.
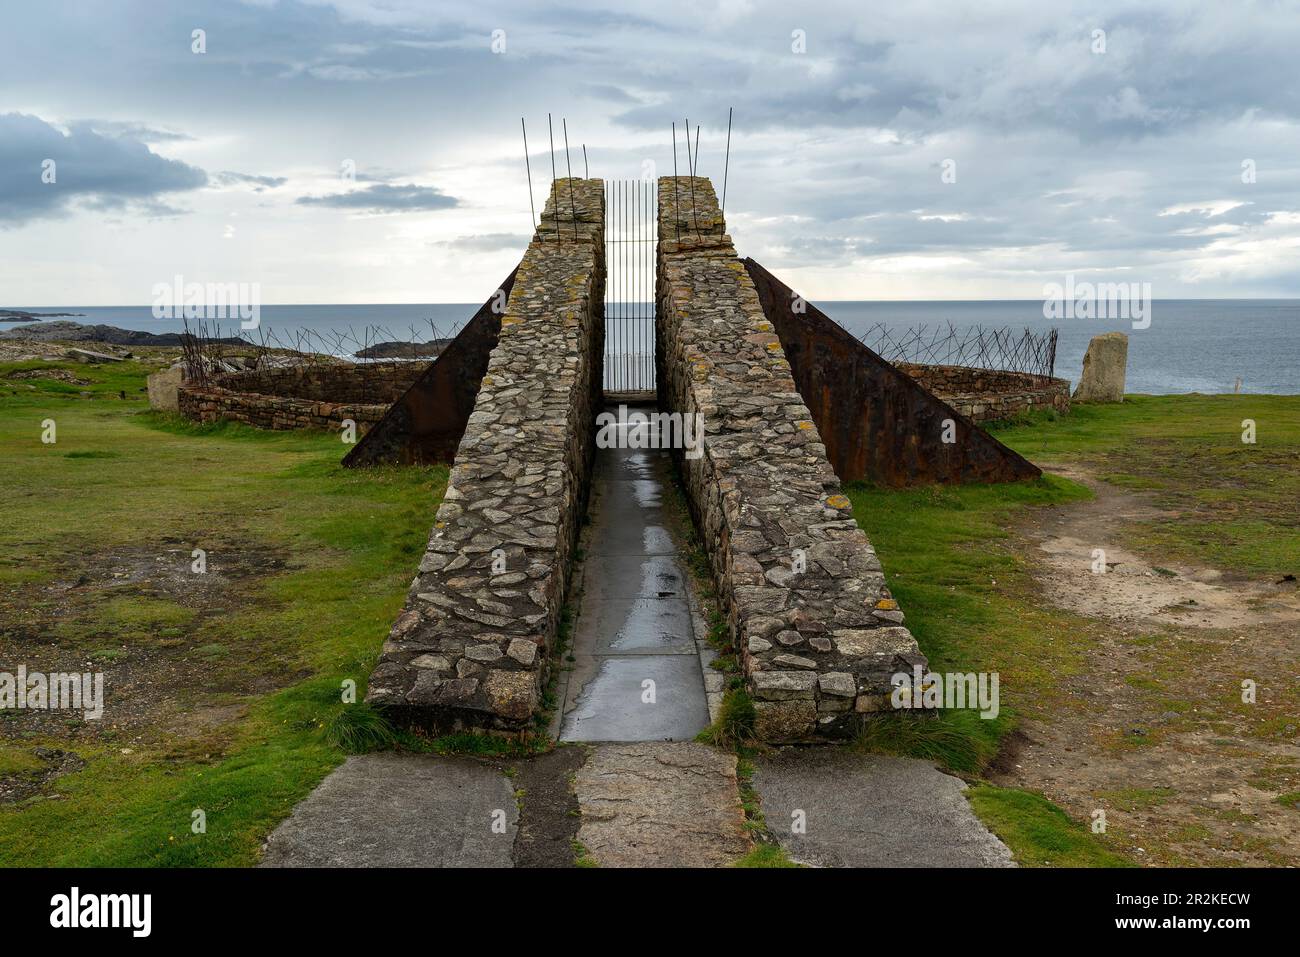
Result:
x=472 y=648
x=988 y=395
x=300 y=397
x=817 y=645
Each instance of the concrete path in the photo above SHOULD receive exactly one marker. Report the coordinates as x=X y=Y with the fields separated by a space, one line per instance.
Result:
x=637 y=673
x=861 y=810
x=401 y=810
x=662 y=804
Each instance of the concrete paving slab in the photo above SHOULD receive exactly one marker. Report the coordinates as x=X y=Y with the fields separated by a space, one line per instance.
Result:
x=635 y=576
x=862 y=810
x=401 y=810
x=607 y=699
x=648 y=535
x=660 y=805
x=637 y=626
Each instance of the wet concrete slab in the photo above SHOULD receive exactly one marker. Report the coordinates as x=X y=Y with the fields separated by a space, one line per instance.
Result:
x=639 y=626
x=634 y=621
x=635 y=576
x=648 y=535
x=833 y=807
x=660 y=805
x=401 y=810
x=611 y=699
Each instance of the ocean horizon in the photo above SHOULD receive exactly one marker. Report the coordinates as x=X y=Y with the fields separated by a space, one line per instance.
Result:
x=1191 y=345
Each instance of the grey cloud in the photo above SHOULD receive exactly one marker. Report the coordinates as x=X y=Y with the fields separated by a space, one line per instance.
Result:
x=385 y=198
x=256 y=183
x=485 y=242
x=90 y=168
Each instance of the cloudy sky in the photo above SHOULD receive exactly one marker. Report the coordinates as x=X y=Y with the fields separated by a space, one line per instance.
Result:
x=1118 y=156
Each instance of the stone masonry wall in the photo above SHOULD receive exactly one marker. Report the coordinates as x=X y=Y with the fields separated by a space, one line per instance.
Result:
x=319 y=397
x=818 y=645
x=472 y=647
x=986 y=395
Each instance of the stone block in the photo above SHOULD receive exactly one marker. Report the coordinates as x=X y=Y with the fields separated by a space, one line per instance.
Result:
x=1105 y=367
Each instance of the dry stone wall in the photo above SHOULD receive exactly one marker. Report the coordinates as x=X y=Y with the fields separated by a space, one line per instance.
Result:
x=817 y=644
x=988 y=395
x=306 y=397
x=472 y=647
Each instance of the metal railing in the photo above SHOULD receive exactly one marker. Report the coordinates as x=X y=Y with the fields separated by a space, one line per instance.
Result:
x=631 y=231
x=976 y=347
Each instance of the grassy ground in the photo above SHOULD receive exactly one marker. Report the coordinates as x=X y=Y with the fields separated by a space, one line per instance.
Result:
x=972 y=604
x=224 y=689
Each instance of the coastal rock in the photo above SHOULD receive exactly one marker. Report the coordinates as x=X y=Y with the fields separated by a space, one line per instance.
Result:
x=1104 y=369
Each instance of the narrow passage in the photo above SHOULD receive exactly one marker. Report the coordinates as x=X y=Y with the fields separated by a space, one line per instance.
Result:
x=638 y=673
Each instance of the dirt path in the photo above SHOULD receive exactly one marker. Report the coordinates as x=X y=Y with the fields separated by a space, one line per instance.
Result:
x=1156 y=733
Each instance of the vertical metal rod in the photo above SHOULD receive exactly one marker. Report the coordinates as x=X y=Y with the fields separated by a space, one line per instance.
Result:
x=586 y=173
x=697 y=147
x=694 y=213
x=556 y=205
x=640 y=286
x=532 y=209
x=726 y=165
x=676 y=217
x=618 y=281
x=569 y=166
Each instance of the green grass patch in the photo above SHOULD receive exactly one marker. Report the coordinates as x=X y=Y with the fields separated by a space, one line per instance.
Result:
x=1236 y=500
x=121 y=481
x=735 y=723
x=1038 y=832
x=958 y=740
x=766 y=855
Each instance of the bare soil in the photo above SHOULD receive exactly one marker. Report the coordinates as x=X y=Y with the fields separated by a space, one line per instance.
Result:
x=173 y=684
x=1155 y=732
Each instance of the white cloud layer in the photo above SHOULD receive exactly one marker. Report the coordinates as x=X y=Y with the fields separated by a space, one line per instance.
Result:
x=1130 y=160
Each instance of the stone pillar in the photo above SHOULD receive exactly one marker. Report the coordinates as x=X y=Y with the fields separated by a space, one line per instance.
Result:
x=1105 y=366
x=471 y=649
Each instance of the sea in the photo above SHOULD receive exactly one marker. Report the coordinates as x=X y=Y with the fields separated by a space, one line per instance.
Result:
x=1191 y=345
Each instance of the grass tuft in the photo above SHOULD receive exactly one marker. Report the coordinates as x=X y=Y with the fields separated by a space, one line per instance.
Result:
x=735 y=724
x=959 y=740
x=359 y=729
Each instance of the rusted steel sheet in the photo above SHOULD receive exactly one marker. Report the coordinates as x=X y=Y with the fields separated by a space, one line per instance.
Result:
x=426 y=424
x=878 y=424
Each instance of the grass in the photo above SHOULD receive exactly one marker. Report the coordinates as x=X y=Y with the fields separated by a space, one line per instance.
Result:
x=1038 y=832
x=735 y=723
x=766 y=855
x=318 y=559
x=972 y=604
x=1236 y=501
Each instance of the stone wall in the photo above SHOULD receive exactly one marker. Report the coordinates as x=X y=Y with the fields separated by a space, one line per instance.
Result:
x=818 y=645
x=472 y=647
x=426 y=423
x=986 y=395
x=300 y=397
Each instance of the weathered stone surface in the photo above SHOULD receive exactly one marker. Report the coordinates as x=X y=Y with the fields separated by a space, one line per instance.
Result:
x=784 y=720
x=857 y=642
x=492 y=582
x=780 y=685
x=368 y=811
x=1105 y=366
x=838 y=683
x=663 y=804
x=793 y=661
x=163 y=387
x=863 y=810
x=800 y=585
x=523 y=651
